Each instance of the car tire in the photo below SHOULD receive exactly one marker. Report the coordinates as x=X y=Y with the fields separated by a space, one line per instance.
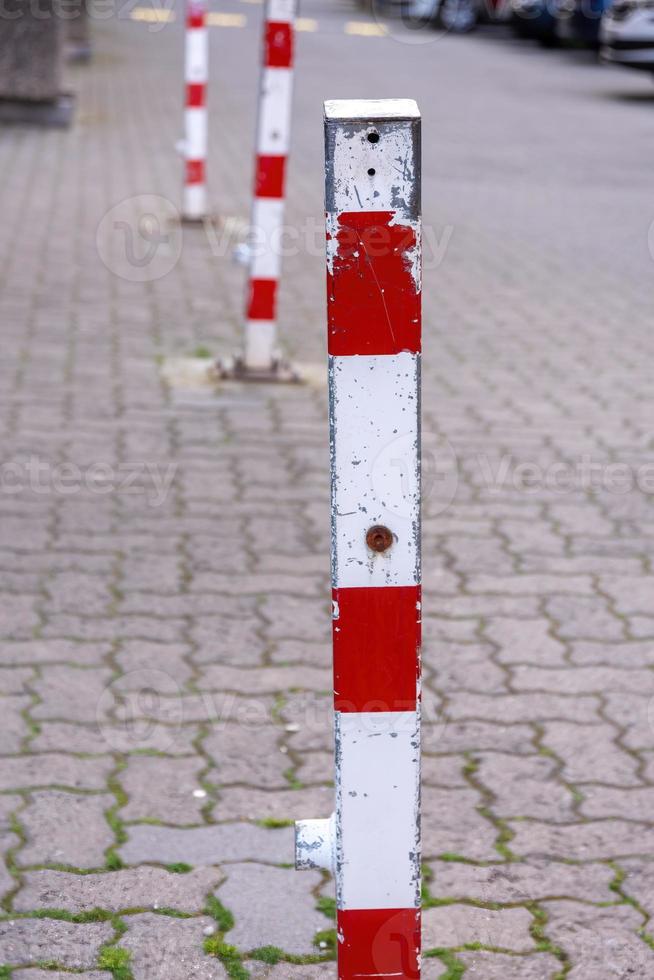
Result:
x=457 y=16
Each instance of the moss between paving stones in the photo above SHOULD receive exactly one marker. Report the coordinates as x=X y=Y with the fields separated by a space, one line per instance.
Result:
x=232 y=958
x=327 y=906
x=116 y=961
x=454 y=969
x=222 y=916
x=228 y=955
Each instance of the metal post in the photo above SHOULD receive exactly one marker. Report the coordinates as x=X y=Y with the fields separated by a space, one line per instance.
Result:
x=194 y=204
x=372 y=844
x=260 y=355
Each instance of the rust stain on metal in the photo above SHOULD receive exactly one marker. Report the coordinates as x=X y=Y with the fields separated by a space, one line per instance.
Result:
x=379 y=538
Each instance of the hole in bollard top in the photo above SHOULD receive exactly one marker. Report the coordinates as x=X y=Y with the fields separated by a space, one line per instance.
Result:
x=373 y=137
x=371 y=172
x=379 y=538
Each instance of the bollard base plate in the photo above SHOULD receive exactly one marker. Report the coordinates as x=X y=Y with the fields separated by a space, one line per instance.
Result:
x=59 y=112
x=279 y=372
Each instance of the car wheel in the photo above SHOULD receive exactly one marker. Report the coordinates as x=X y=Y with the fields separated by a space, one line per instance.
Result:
x=457 y=16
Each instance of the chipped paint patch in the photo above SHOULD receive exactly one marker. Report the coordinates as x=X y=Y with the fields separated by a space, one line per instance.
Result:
x=373 y=288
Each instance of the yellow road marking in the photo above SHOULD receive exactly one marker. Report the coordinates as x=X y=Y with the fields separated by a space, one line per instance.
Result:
x=152 y=15
x=365 y=28
x=306 y=24
x=226 y=20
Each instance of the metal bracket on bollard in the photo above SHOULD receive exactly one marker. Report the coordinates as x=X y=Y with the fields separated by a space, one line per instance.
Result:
x=374 y=335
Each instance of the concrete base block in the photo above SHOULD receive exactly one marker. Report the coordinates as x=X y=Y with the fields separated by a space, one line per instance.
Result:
x=19 y=111
x=31 y=51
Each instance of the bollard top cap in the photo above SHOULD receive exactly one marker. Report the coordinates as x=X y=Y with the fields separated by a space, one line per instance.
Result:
x=371 y=109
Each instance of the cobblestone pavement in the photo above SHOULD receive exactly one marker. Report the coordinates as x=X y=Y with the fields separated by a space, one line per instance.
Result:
x=175 y=539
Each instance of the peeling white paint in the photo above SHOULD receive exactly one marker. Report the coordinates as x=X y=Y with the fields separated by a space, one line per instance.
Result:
x=412 y=256
x=375 y=420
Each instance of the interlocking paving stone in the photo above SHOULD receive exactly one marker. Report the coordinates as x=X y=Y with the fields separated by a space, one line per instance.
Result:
x=7 y=881
x=73 y=693
x=51 y=651
x=495 y=966
x=633 y=654
x=286 y=971
x=14 y=679
x=129 y=888
x=244 y=803
x=128 y=736
x=600 y=942
x=245 y=754
x=469 y=670
x=580 y=680
x=26 y=771
x=8 y=805
x=457 y=925
x=522 y=707
x=57 y=975
x=590 y=841
x=169 y=659
x=267 y=680
x=284 y=913
x=75 y=946
x=609 y=801
x=451 y=823
x=208 y=845
x=162 y=947
x=525 y=787
x=162 y=789
x=639 y=883
x=635 y=715
x=585 y=619
x=521 y=882
x=477 y=736
x=590 y=754
x=66 y=828
x=15 y=727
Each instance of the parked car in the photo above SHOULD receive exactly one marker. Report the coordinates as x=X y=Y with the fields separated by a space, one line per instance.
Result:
x=535 y=19
x=457 y=16
x=627 y=34
x=578 y=21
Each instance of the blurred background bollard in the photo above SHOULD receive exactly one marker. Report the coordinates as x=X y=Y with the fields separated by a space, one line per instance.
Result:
x=32 y=39
x=79 y=48
x=196 y=73
x=260 y=359
x=372 y=845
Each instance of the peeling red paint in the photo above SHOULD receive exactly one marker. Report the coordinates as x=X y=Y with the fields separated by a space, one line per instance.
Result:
x=373 y=303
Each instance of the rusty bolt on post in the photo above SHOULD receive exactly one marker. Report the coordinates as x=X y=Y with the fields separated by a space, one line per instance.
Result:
x=379 y=538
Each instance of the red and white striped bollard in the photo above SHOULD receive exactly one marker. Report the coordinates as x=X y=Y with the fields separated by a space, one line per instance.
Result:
x=260 y=355
x=372 y=843
x=196 y=73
